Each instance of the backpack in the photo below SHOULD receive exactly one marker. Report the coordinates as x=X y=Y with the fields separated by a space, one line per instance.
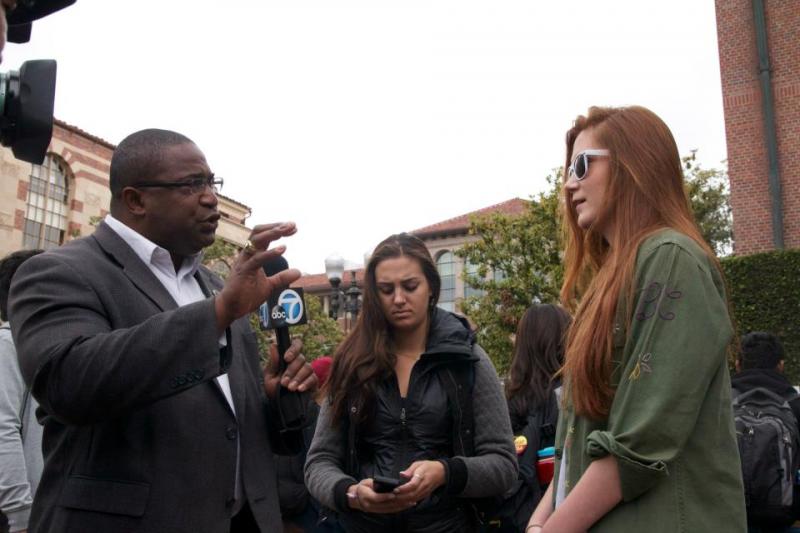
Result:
x=769 y=447
x=512 y=511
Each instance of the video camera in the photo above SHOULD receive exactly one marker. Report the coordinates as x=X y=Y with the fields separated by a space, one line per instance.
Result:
x=27 y=95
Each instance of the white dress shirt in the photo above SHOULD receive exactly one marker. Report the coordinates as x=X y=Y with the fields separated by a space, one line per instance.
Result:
x=184 y=289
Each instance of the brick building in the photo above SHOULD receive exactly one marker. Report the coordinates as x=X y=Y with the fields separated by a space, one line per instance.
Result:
x=759 y=50
x=442 y=239
x=447 y=236
x=42 y=206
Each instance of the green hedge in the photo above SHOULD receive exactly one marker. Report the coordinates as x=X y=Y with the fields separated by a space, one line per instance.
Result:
x=765 y=296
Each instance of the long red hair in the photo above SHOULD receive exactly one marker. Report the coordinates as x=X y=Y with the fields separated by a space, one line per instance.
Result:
x=645 y=193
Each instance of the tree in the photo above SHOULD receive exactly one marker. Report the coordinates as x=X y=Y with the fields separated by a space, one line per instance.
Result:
x=710 y=200
x=322 y=334
x=518 y=262
x=219 y=255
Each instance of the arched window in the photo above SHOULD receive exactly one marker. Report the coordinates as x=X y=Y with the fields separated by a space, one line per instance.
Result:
x=472 y=270
x=445 y=264
x=46 y=217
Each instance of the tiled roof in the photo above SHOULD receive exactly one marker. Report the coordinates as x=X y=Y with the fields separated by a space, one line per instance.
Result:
x=84 y=133
x=107 y=144
x=237 y=202
x=320 y=283
x=460 y=224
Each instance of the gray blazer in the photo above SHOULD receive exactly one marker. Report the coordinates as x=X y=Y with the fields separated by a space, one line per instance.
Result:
x=138 y=436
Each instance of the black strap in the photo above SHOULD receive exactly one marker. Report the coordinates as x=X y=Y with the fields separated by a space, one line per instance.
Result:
x=532 y=433
x=549 y=419
x=352 y=454
x=458 y=381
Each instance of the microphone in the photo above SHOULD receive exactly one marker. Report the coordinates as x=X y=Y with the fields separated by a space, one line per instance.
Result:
x=279 y=312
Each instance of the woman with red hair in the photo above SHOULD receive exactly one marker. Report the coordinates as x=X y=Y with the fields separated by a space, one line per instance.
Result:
x=646 y=440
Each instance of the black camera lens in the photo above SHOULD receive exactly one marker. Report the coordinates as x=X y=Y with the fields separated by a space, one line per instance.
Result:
x=26 y=109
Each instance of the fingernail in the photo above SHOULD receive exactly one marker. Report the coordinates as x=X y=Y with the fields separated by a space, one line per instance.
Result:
x=280 y=249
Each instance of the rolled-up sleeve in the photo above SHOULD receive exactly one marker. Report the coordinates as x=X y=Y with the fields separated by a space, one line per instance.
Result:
x=678 y=338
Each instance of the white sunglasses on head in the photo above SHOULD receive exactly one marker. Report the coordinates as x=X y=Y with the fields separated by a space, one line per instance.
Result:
x=580 y=164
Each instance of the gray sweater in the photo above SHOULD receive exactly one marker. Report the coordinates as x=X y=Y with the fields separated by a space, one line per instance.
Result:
x=490 y=472
x=20 y=452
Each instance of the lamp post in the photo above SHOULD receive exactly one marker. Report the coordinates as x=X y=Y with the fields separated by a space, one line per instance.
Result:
x=334 y=269
x=348 y=300
x=353 y=298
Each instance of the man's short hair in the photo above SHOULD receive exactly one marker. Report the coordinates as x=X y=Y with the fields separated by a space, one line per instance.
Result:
x=8 y=265
x=761 y=350
x=139 y=157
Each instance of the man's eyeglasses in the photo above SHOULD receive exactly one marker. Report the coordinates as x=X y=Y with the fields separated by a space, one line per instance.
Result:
x=194 y=185
x=580 y=164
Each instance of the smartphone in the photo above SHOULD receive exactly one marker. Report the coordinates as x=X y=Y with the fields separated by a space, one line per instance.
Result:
x=382 y=484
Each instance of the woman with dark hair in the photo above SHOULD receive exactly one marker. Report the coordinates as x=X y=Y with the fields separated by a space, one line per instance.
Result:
x=413 y=424
x=646 y=439
x=532 y=392
x=538 y=356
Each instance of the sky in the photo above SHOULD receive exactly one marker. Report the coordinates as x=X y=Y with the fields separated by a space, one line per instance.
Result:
x=359 y=119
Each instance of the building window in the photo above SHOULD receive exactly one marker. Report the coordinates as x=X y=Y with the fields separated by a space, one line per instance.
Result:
x=445 y=264
x=471 y=270
x=46 y=217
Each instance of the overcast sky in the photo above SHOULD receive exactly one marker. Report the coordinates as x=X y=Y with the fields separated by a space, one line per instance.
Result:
x=358 y=119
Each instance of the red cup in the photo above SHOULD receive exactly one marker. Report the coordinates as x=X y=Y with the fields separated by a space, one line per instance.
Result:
x=545 y=464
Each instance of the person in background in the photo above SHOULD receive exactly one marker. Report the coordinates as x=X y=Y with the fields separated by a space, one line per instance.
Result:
x=413 y=399
x=760 y=365
x=532 y=392
x=20 y=432
x=645 y=439
x=299 y=510
x=538 y=357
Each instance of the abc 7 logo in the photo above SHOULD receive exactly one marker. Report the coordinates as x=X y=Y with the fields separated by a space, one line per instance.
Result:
x=289 y=309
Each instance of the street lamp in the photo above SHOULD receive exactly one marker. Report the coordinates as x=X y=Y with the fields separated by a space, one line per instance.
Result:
x=353 y=298
x=334 y=269
x=350 y=299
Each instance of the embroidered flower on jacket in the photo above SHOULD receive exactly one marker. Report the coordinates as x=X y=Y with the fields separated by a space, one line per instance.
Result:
x=642 y=365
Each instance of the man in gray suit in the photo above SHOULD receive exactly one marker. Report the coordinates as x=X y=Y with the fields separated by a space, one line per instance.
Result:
x=157 y=417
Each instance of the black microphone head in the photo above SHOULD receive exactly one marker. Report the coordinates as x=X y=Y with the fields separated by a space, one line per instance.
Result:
x=275 y=265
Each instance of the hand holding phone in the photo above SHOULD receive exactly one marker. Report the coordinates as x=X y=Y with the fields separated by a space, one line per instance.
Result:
x=383 y=484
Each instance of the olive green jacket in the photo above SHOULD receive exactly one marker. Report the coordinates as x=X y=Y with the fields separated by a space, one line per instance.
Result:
x=670 y=426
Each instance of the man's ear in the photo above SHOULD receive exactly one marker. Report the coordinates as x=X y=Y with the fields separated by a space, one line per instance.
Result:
x=738 y=365
x=780 y=366
x=133 y=201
